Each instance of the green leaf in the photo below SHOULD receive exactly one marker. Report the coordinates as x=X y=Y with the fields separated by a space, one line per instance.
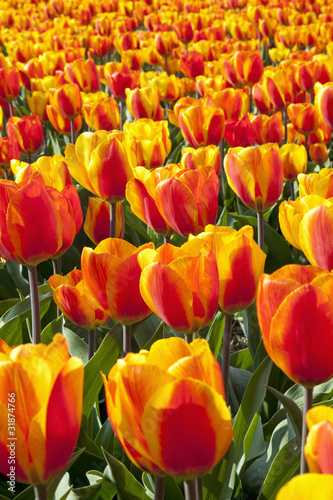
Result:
x=293 y=411
x=100 y=488
x=146 y=329
x=128 y=488
x=7 y=304
x=219 y=483
x=7 y=287
x=51 y=329
x=15 y=271
x=103 y=360
x=242 y=359
x=158 y=335
x=251 y=327
x=282 y=470
x=77 y=346
x=251 y=404
x=63 y=489
x=215 y=333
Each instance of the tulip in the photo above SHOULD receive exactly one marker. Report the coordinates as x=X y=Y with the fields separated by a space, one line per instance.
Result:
x=181 y=104
x=28 y=132
x=202 y=126
x=280 y=88
x=144 y=103
x=185 y=385
x=256 y=175
x=62 y=124
x=73 y=298
x=97 y=221
x=169 y=87
x=249 y=67
x=102 y=163
x=152 y=141
x=309 y=486
x=46 y=389
x=239 y=132
x=319 y=442
x=181 y=289
x=295 y=160
x=305 y=77
x=84 y=74
x=112 y=273
x=304 y=117
x=37 y=103
x=118 y=82
x=324 y=102
x=318 y=153
x=165 y=42
x=184 y=31
x=53 y=169
x=67 y=101
x=295 y=315
x=268 y=128
x=261 y=99
x=102 y=115
x=192 y=64
x=134 y=59
x=233 y=102
x=9 y=150
x=206 y=155
x=9 y=83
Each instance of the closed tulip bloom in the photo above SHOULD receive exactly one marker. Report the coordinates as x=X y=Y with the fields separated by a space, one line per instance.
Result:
x=295 y=315
x=152 y=141
x=261 y=100
x=184 y=31
x=249 y=67
x=119 y=81
x=28 y=132
x=141 y=195
x=240 y=264
x=318 y=153
x=180 y=105
x=256 y=175
x=84 y=74
x=102 y=163
x=202 y=126
x=48 y=385
x=192 y=64
x=165 y=42
x=233 y=102
x=188 y=199
x=181 y=288
x=295 y=161
x=9 y=150
x=305 y=76
x=97 y=221
x=320 y=183
x=112 y=274
x=103 y=115
x=53 y=169
x=75 y=301
x=178 y=388
x=9 y=83
x=37 y=103
x=67 y=100
x=319 y=443
x=61 y=123
x=304 y=117
x=280 y=87
x=324 y=102
x=206 y=155
x=239 y=133
x=309 y=486
x=144 y=103
x=268 y=128
x=169 y=87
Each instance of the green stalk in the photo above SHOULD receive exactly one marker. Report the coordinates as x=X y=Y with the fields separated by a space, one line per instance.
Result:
x=72 y=132
x=190 y=489
x=222 y=172
x=292 y=190
x=91 y=344
x=226 y=353
x=260 y=220
x=35 y=310
x=159 y=488
x=113 y=219
x=198 y=487
x=40 y=492
x=121 y=112
x=306 y=406
x=127 y=338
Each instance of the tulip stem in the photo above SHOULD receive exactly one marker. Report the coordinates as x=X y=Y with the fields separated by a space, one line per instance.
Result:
x=45 y=138
x=189 y=337
x=307 y=405
x=250 y=99
x=91 y=343
x=35 y=310
x=121 y=113
x=6 y=174
x=127 y=330
x=166 y=64
x=159 y=488
x=223 y=177
x=198 y=487
x=285 y=117
x=292 y=190
x=260 y=221
x=11 y=109
x=40 y=492
x=113 y=219
x=226 y=352
x=190 y=489
x=72 y=132
x=167 y=238
x=56 y=264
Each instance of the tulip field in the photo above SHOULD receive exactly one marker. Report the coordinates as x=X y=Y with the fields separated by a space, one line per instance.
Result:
x=166 y=250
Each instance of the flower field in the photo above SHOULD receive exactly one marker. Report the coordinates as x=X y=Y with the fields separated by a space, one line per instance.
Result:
x=166 y=187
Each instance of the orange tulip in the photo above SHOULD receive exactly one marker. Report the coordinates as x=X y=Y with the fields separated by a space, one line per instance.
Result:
x=206 y=155
x=309 y=486
x=319 y=442
x=9 y=83
x=233 y=102
x=295 y=315
x=249 y=67
x=84 y=74
x=268 y=128
x=280 y=87
x=67 y=100
x=239 y=132
x=240 y=264
x=256 y=175
x=37 y=103
x=202 y=126
x=9 y=150
x=112 y=274
x=45 y=386
x=53 y=169
x=97 y=222
x=74 y=300
x=192 y=64
x=144 y=103
x=295 y=161
x=324 y=102
x=180 y=105
x=318 y=153
x=178 y=388
x=61 y=123
x=261 y=100
x=184 y=31
x=304 y=117
x=181 y=288
x=27 y=131
x=102 y=115
x=102 y=163
x=119 y=81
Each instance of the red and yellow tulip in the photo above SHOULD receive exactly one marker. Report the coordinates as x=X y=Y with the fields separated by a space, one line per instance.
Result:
x=309 y=486
x=97 y=222
x=28 y=132
x=319 y=443
x=202 y=125
x=295 y=160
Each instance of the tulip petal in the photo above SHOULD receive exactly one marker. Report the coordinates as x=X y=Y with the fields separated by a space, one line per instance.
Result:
x=164 y=353
x=309 y=486
x=316 y=236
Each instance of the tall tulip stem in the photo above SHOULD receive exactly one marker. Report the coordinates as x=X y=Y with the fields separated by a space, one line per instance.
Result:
x=250 y=99
x=159 y=488
x=113 y=219
x=260 y=221
x=91 y=343
x=166 y=64
x=307 y=405
x=121 y=112
x=72 y=132
x=285 y=117
x=292 y=190
x=35 y=310
x=222 y=172
x=226 y=352
x=45 y=138
x=40 y=492
x=11 y=109
x=198 y=487
x=56 y=265
x=167 y=238
x=127 y=330
x=190 y=489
